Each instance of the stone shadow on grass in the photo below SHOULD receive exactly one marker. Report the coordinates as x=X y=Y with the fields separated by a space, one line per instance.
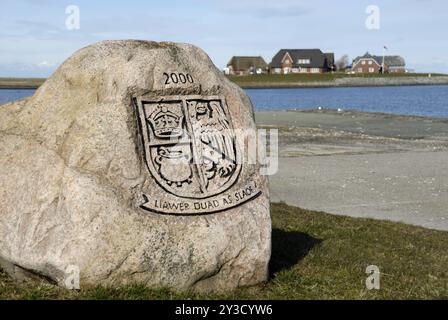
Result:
x=288 y=248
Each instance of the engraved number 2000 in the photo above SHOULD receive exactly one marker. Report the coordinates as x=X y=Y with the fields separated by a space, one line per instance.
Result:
x=178 y=78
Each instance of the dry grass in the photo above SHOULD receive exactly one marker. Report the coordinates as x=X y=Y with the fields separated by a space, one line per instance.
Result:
x=315 y=256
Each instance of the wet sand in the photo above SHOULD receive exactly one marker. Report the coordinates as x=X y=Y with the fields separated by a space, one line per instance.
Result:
x=362 y=164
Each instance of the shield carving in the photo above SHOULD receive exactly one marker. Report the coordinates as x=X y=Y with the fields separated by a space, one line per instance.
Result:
x=189 y=143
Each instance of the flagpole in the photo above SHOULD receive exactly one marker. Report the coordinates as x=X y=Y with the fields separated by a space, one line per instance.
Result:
x=382 y=66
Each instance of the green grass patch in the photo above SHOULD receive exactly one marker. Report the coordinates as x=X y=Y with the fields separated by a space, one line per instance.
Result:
x=20 y=83
x=263 y=80
x=314 y=256
x=298 y=78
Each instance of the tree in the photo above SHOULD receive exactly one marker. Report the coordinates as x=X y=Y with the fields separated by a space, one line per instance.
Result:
x=342 y=63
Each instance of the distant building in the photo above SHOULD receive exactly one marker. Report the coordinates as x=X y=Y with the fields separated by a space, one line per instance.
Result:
x=372 y=64
x=242 y=65
x=302 y=61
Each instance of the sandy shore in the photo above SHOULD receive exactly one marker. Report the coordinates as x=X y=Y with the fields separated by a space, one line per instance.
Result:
x=363 y=164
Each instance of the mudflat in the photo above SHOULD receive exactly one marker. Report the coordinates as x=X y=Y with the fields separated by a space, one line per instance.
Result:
x=362 y=164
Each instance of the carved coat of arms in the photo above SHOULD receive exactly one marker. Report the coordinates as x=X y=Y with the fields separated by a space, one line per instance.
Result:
x=190 y=146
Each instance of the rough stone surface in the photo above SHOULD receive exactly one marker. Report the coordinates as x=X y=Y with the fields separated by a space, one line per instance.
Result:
x=75 y=177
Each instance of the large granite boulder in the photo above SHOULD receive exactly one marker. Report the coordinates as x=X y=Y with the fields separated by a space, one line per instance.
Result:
x=128 y=163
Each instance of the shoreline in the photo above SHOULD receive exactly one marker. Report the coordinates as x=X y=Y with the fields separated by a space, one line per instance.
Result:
x=344 y=82
x=349 y=83
x=354 y=112
x=326 y=85
x=303 y=126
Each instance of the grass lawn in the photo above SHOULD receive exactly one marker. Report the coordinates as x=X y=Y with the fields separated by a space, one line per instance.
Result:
x=315 y=256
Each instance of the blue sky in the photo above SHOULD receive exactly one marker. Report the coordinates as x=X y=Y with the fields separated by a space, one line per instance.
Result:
x=34 y=39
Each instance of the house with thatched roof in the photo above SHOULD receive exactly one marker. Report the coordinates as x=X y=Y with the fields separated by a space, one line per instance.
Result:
x=242 y=65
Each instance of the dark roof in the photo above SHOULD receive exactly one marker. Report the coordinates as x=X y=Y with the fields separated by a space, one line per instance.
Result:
x=245 y=63
x=391 y=61
x=317 y=58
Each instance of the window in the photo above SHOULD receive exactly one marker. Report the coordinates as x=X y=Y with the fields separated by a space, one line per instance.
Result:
x=314 y=70
x=304 y=61
x=360 y=70
x=371 y=70
x=370 y=61
x=363 y=62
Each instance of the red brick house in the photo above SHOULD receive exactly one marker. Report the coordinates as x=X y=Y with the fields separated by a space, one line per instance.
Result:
x=372 y=64
x=302 y=61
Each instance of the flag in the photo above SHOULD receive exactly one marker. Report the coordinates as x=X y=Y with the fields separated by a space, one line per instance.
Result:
x=385 y=48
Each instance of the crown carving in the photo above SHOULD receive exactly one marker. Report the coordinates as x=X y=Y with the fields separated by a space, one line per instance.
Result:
x=165 y=123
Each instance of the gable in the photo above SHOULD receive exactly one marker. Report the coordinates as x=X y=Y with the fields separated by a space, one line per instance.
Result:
x=366 y=59
x=287 y=56
x=317 y=59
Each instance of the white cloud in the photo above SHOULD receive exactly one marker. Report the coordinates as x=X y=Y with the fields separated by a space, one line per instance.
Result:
x=46 y=64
